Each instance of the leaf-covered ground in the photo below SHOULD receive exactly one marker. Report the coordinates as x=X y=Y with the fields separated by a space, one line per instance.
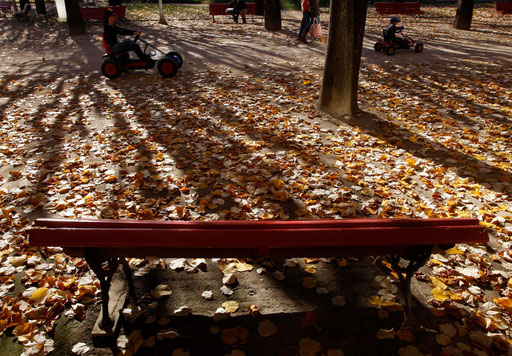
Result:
x=235 y=135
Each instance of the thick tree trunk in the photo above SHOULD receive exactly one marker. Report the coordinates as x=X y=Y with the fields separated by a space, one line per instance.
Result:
x=260 y=7
x=338 y=95
x=76 y=23
x=272 y=15
x=161 y=8
x=464 y=14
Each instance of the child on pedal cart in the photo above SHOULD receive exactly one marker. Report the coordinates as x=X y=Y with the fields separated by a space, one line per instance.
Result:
x=390 y=33
x=110 y=32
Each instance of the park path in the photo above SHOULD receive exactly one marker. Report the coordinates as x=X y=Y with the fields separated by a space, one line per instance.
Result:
x=433 y=139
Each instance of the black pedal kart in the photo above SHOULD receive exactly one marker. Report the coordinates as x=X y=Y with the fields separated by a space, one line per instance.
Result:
x=115 y=64
x=390 y=47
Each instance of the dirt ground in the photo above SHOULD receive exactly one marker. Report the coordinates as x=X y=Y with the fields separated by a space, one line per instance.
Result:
x=78 y=145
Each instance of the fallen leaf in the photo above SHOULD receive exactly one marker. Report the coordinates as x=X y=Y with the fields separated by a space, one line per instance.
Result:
x=266 y=328
x=162 y=290
x=230 y=306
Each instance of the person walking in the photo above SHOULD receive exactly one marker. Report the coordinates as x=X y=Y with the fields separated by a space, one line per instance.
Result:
x=310 y=11
x=239 y=8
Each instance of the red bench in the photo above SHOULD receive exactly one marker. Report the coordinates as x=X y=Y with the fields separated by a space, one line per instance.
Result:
x=98 y=13
x=112 y=241
x=5 y=7
x=505 y=7
x=220 y=9
x=395 y=8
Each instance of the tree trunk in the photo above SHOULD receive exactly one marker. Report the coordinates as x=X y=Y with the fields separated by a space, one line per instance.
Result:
x=161 y=8
x=260 y=7
x=464 y=14
x=338 y=95
x=272 y=15
x=76 y=22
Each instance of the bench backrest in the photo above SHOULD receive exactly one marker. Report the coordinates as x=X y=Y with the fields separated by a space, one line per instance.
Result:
x=98 y=13
x=504 y=6
x=249 y=238
x=398 y=7
x=220 y=8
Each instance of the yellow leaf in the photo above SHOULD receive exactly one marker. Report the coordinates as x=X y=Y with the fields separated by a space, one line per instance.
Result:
x=306 y=82
x=433 y=260
x=111 y=179
x=505 y=303
x=440 y=294
x=230 y=306
x=376 y=300
x=509 y=284
x=488 y=225
x=438 y=283
x=454 y=251
x=253 y=309
x=227 y=267
x=243 y=266
x=39 y=294
x=311 y=269
x=411 y=162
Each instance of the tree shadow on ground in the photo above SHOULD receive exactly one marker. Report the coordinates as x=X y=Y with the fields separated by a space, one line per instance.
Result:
x=303 y=314
x=424 y=148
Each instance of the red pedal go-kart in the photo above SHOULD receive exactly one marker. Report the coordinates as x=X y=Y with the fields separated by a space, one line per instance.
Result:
x=115 y=64
x=390 y=47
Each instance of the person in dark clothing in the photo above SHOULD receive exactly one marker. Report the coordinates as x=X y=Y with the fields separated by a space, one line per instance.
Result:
x=239 y=8
x=310 y=11
x=24 y=10
x=391 y=30
x=110 y=32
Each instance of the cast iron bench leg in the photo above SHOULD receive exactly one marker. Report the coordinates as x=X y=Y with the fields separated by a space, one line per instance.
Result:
x=105 y=277
x=416 y=261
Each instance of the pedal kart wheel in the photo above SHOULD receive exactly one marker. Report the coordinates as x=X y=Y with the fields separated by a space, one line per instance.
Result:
x=377 y=46
x=167 y=67
x=390 y=50
x=419 y=47
x=111 y=68
x=177 y=58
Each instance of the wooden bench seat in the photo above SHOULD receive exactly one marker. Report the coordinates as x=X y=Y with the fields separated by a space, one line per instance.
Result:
x=398 y=8
x=98 y=13
x=220 y=9
x=112 y=241
x=505 y=7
